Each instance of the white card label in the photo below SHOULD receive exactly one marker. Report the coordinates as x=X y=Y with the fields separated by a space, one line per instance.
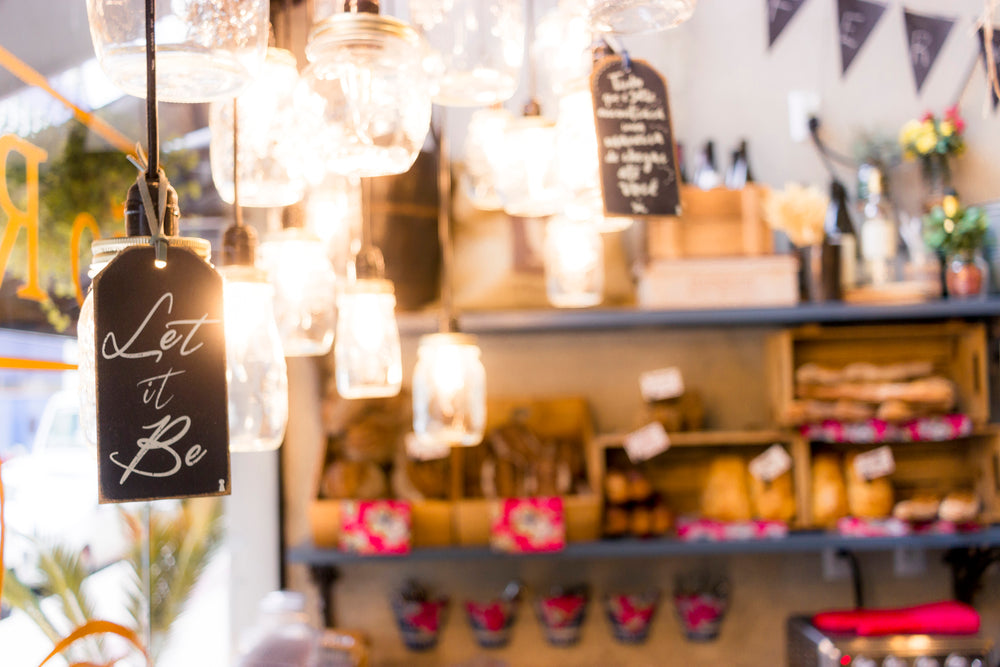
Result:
x=647 y=442
x=661 y=384
x=875 y=463
x=772 y=464
x=422 y=451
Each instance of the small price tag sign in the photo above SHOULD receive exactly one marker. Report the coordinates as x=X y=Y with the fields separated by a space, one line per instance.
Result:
x=875 y=463
x=635 y=142
x=772 y=464
x=661 y=384
x=423 y=451
x=162 y=409
x=646 y=442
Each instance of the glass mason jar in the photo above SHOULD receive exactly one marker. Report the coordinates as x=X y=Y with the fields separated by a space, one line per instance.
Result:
x=103 y=251
x=206 y=50
x=365 y=97
x=255 y=363
x=483 y=145
x=477 y=48
x=561 y=50
x=367 y=357
x=632 y=17
x=966 y=274
x=574 y=263
x=271 y=142
x=527 y=178
x=449 y=390
x=305 y=290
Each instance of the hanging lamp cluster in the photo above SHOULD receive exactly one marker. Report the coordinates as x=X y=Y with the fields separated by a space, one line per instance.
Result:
x=362 y=108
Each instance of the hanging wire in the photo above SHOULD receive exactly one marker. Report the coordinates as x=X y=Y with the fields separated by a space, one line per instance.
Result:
x=530 y=46
x=444 y=225
x=152 y=120
x=237 y=209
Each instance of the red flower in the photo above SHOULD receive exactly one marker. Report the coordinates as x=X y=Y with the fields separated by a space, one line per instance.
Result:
x=952 y=114
x=926 y=117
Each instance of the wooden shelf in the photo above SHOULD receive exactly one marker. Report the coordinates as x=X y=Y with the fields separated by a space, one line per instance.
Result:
x=796 y=542
x=708 y=438
x=834 y=312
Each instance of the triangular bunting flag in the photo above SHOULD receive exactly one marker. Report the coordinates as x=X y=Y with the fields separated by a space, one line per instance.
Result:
x=996 y=61
x=855 y=21
x=779 y=13
x=925 y=36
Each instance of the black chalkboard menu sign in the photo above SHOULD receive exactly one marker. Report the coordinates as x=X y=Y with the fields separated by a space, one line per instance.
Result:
x=162 y=423
x=635 y=142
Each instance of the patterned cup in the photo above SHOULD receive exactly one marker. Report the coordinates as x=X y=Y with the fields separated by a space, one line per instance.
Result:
x=631 y=615
x=562 y=617
x=419 y=621
x=491 y=621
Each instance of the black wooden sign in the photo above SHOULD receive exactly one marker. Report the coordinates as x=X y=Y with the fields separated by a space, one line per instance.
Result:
x=635 y=142
x=925 y=35
x=162 y=425
x=779 y=13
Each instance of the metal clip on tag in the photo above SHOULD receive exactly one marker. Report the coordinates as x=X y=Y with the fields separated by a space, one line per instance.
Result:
x=157 y=239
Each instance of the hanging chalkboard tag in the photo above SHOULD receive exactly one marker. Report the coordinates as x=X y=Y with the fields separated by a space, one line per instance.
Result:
x=162 y=422
x=635 y=142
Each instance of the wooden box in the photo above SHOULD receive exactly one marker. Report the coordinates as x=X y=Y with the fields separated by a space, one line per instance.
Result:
x=432 y=523
x=956 y=349
x=562 y=418
x=970 y=463
x=679 y=474
x=720 y=282
x=713 y=223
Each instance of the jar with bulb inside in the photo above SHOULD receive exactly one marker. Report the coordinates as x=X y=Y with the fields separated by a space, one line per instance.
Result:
x=367 y=355
x=449 y=390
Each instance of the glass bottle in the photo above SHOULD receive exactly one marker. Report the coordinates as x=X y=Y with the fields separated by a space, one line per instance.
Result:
x=477 y=47
x=879 y=244
x=574 y=263
x=706 y=175
x=840 y=231
x=206 y=50
x=449 y=390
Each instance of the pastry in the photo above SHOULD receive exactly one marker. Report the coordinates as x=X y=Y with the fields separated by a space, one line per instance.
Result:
x=829 y=494
x=895 y=411
x=774 y=500
x=936 y=393
x=959 y=507
x=616 y=521
x=661 y=519
x=867 y=499
x=350 y=479
x=639 y=488
x=921 y=508
x=616 y=487
x=640 y=522
x=725 y=496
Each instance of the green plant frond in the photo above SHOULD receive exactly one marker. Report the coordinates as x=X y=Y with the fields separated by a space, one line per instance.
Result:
x=20 y=596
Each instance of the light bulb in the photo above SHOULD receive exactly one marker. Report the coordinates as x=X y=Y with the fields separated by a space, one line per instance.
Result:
x=270 y=138
x=574 y=263
x=449 y=391
x=255 y=364
x=333 y=215
x=367 y=357
x=483 y=146
x=304 y=291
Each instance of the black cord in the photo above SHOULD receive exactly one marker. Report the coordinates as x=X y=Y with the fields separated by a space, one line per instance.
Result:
x=152 y=121
x=825 y=152
x=236 y=164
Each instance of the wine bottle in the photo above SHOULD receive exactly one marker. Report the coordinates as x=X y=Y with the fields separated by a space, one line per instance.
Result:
x=840 y=231
x=706 y=176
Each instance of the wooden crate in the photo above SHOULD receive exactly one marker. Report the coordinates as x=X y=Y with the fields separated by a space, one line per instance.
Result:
x=680 y=473
x=971 y=463
x=713 y=223
x=767 y=281
x=956 y=349
x=559 y=417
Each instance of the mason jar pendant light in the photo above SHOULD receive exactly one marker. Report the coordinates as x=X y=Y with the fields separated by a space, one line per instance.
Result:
x=365 y=97
x=477 y=47
x=631 y=17
x=255 y=365
x=449 y=380
x=305 y=287
x=206 y=50
x=367 y=356
x=574 y=263
x=271 y=142
x=483 y=145
x=577 y=160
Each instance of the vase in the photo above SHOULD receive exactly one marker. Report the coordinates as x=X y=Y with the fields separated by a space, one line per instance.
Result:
x=937 y=179
x=966 y=274
x=819 y=272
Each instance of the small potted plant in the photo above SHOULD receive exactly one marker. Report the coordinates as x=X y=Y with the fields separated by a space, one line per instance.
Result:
x=958 y=233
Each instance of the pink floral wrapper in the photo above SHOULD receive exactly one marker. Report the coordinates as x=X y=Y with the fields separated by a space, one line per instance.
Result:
x=491 y=621
x=939 y=428
x=562 y=617
x=631 y=615
x=375 y=526
x=523 y=525
x=693 y=529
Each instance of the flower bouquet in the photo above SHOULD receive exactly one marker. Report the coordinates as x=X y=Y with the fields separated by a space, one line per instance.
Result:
x=958 y=233
x=933 y=140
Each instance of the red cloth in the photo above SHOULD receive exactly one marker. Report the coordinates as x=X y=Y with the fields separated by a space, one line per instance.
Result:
x=943 y=618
